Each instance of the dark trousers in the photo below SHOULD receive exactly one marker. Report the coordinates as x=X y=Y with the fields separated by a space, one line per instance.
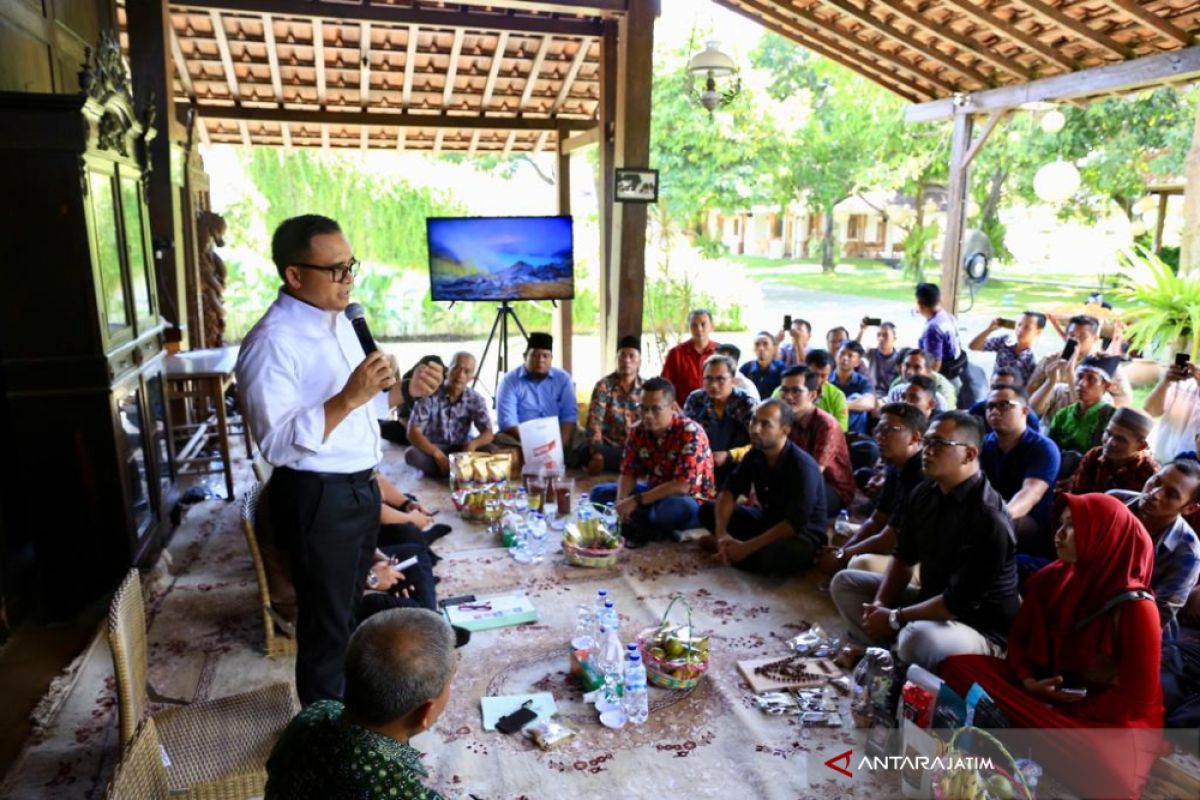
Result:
x=327 y=524
x=784 y=557
x=833 y=501
x=863 y=452
x=677 y=513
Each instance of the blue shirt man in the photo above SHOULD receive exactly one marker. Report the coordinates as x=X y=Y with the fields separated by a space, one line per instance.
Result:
x=535 y=390
x=856 y=386
x=1033 y=456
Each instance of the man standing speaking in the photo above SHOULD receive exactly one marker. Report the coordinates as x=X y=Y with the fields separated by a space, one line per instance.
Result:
x=311 y=397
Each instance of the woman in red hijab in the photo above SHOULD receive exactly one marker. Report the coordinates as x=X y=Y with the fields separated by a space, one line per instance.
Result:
x=1079 y=659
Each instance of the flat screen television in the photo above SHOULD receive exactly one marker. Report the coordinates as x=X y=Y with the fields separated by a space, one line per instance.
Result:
x=501 y=258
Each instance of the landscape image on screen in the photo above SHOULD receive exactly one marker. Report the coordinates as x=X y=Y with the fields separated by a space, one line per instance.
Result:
x=501 y=258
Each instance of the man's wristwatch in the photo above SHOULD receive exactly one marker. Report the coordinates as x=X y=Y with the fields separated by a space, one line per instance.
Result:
x=372 y=580
x=840 y=554
x=894 y=619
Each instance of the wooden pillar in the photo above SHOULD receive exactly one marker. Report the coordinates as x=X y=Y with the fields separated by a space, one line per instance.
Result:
x=956 y=209
x=152 y=71
x=1189 y=245
x=563 y=324
x=1163 y=199
x=604 y=183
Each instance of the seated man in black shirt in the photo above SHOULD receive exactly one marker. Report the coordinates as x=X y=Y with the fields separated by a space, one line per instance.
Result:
x=956 y=528
x=899 y=435
x=783 y=532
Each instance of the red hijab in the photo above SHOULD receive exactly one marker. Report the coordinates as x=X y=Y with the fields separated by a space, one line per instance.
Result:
x=1114 y=554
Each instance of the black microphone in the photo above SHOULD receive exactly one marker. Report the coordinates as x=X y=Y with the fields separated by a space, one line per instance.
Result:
x=358 y=318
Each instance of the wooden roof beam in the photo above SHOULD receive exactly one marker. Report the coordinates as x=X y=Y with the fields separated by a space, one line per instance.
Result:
x=1010 y=32
x=556 y=6
x=452 y=68
x=948 y=34
x=401 y=139
x=273 y=60
x=541 y=141
x=474 y=142
x=244 y=129
x=569 y=80
x=437 y=141
x=410 y=56
x=318 y=43
x=286 y=131
x=396 y=15
x=226 y=58
x=828 y=34
x=871 y=72
x=1124 y=77
x=1138 y=12
x=399 y=119
x=1071 y=25
x=928 y=52
x=494 y=72
x=185 y=77
x=508 y=143
x=364 y=64
x=534 y=69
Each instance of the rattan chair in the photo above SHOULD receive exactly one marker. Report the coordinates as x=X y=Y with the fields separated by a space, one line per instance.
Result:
x=140 y=775
x=280 y=634
x=214 y=740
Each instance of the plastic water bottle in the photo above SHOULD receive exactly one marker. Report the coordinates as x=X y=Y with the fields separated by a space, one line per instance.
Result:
x=635 y=700
x=611 y=667
x=585 y=508
x=842 y=526
x=611 y=620
x=537 y=539
x=598 y=613
x=584 y=637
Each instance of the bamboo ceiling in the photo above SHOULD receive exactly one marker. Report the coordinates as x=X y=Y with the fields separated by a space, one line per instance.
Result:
x=503 y=76
x=931 y=49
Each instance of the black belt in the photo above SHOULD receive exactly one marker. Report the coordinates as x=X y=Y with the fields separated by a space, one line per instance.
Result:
x=362 y=476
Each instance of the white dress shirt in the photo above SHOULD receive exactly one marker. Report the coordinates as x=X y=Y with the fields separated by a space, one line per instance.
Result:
x=293 y=360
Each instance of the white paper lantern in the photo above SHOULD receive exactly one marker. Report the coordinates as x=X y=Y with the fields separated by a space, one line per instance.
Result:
x=1137 y=228
x=1053 y=121
x=1056 y=181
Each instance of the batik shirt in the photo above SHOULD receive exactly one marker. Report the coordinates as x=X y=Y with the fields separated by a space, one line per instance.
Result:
x=1097 y=474
x=725 y=431
x=322 y=755
x=1024 y=362
x=681 y=453
x=448 y=422
x=613 y=411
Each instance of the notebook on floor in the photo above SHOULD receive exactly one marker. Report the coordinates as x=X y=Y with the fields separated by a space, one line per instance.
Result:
x=498 y=611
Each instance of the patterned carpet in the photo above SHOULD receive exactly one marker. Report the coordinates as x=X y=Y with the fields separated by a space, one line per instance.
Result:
x=206 y=641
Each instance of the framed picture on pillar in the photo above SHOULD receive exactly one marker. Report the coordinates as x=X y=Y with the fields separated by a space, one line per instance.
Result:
x=636 y=185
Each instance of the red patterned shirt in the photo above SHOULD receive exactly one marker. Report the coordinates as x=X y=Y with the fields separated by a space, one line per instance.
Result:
x=821 y=437
x=1097 y=474
x=680 y=453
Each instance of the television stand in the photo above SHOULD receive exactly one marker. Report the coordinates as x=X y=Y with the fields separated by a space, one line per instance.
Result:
x=503 y=312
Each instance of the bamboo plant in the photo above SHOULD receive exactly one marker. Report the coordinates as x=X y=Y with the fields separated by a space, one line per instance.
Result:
x=1164 y=307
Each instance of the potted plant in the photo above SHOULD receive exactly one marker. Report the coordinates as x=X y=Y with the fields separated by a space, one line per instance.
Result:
x=1165 y=307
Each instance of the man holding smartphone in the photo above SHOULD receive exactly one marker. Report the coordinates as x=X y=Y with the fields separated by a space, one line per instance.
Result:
x=1052 y=385
x=1175 y=403
x=1017 y=353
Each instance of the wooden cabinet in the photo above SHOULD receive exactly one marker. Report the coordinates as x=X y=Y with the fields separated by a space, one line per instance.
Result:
x=81 y=352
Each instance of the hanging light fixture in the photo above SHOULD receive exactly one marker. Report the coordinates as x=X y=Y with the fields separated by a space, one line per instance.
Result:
x=711 y=64
x=1056 y=181
x=1053 y=121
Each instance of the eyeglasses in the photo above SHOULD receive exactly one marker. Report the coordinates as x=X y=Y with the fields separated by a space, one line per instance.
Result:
x=339 y=273
x=935 y=443
x=884 y=430
x=1001 y=405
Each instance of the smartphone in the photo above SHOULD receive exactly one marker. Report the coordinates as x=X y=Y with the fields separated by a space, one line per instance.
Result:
x=1007 y=323
x=1181 y=360
x=1069 y=350
x=787 y=322
x=876 y=321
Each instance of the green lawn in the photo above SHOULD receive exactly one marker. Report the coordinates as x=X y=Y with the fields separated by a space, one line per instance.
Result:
x=869 y=278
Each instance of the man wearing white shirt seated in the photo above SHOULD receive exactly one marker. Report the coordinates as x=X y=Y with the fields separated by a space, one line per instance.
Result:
x=313 y=399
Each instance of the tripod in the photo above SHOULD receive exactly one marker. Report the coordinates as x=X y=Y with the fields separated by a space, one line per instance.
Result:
x=503 y=312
